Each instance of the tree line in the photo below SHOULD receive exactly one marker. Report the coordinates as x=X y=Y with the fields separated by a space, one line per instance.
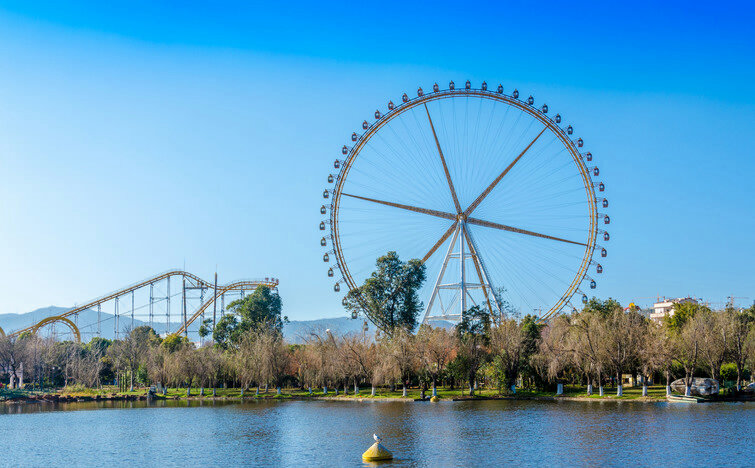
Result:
x=593 y=347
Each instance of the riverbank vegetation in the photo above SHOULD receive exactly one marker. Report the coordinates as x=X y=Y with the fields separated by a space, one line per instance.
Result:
x=585 y=353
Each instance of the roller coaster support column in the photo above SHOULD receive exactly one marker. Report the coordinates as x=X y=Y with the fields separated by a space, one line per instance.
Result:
x=151 y=303
x=222 y=305
x=214 y=302
x=99 y=320
x=115 y=319
x=201 y=320
x=183 y=298
x=167 y=309
x=132 y=310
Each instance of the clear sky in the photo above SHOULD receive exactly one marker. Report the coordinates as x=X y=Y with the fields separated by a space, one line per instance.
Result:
x=138 y=137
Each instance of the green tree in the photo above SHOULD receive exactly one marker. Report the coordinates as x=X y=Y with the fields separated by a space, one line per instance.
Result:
x=173 y=342
x=389 y=297
x=132 y=351
x=683 y=312
x=602 y=308
x=474 y=335
x=532 y=331
x=262 y=308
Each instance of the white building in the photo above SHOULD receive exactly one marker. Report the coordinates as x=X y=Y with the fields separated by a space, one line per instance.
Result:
x=666 y=307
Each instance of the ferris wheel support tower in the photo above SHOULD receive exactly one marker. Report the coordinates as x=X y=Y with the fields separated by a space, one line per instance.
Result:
x=461 y=288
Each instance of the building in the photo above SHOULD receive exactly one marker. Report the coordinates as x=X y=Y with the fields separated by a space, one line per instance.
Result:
x=666 y=307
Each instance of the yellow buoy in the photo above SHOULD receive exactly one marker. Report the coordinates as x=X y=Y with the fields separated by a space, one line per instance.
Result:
x=434 y=399
x=377 y=452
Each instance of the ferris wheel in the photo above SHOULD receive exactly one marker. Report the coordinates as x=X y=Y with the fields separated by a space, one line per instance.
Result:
x=492 y=192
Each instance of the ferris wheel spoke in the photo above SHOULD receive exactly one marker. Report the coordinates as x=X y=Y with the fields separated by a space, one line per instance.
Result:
x=443 y=160
x=440 y=242
x=504 y=227
x=487 y=191
x=436 y=213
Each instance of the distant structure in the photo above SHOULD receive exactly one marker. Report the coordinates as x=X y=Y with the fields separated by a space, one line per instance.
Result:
x=666 y=307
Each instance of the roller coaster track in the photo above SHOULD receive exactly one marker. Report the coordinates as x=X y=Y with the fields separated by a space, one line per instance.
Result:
x=208 y=302
x=198 y=282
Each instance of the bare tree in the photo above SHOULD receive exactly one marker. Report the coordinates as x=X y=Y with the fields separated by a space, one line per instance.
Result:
x=361 y=358
x=740 y=324
x=507 y=344
x=553 y=352
x=621 y=338
x=584 y=342
x=273 y=356
x=435 y=347
x=246 y=363
x=400 y=358
x=715 y=340
x=686 y=345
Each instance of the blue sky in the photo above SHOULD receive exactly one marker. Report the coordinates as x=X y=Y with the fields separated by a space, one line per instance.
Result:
x=138 y=137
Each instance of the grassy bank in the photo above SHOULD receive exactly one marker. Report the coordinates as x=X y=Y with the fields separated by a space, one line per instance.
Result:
x=655 y=393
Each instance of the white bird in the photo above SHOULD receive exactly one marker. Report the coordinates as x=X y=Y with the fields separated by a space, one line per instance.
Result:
x=377 y=439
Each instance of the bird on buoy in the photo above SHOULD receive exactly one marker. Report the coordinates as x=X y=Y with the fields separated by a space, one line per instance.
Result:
x=377 y=452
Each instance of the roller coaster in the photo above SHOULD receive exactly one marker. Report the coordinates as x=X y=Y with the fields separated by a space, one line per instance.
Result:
x=190 y=283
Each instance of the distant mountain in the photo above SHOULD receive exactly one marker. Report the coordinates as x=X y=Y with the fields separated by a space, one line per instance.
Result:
x=296 y=331
x=86 y=321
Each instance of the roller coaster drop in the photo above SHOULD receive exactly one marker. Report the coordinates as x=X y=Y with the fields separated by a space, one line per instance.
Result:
x=189 y=282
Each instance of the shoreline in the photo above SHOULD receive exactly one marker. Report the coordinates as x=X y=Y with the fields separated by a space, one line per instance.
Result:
x=64 y=398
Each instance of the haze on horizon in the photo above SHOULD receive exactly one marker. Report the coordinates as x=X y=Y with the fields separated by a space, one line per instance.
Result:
x=137 y=138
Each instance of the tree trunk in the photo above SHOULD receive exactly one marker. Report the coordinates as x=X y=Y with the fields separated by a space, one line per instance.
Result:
x=213 y=392
x=324 y=390
x=403 y=392
x=356 y=388
x=559 y=389
x=131 y=388
x=372 y=391
x=435 y=387
x=188 y=391
x=201 y=391
x=278 y=390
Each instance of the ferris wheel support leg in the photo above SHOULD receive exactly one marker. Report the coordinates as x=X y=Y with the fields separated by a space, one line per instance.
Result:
x=485 y=280
x=440 y=275
x=463 y=270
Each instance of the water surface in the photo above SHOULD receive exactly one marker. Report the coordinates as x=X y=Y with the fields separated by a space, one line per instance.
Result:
x=326 y=433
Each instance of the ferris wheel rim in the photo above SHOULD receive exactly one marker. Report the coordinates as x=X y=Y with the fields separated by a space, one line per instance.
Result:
x=422 y=98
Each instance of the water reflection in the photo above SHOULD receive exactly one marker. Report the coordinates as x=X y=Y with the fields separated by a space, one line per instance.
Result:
x=324 y=433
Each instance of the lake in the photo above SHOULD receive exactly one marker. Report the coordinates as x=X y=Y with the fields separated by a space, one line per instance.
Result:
x=330 y=433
